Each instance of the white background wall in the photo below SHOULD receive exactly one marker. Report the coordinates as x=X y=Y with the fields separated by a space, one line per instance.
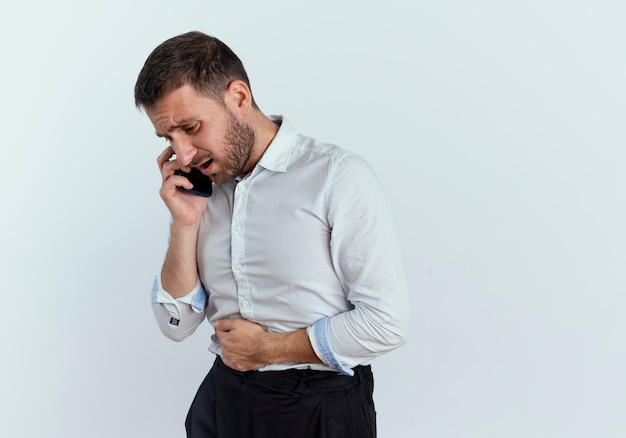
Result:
x=497 y=127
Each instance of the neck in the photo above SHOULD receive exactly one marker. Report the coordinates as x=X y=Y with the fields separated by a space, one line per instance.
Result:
x=264 y=132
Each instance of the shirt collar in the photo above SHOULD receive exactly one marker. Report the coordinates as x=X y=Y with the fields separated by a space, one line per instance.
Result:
x=276 y=156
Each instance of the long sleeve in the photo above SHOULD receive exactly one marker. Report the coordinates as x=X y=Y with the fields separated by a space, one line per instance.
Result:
x=367 y=259
x=178 y=317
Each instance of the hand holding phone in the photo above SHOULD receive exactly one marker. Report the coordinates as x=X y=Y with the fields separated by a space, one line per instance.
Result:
x=202 y=184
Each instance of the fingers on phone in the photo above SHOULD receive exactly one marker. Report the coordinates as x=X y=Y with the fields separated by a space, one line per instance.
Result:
x=170 y=186
x=165 y=156
x=168 y=168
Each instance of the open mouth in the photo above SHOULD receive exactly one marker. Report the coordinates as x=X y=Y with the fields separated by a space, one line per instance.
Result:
x=204 y=167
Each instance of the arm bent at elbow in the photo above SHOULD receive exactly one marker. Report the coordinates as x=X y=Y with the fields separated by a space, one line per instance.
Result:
x=178 y=317
x=357 y=337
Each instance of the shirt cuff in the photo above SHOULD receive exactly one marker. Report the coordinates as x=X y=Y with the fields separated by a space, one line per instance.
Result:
x=318 y=334
x=196 y=299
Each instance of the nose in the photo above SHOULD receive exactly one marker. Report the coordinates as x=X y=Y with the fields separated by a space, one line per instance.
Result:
x=185 y=151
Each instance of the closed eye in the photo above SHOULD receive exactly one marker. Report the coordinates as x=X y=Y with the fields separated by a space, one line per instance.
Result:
x=191 y=129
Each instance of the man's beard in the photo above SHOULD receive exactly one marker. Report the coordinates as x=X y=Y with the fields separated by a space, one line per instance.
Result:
x=239 y=140
x=238 y=143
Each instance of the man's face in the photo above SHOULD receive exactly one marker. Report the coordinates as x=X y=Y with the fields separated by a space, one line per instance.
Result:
x=203 y=134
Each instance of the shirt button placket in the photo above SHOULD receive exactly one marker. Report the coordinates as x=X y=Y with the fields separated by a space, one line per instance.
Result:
x=238 y=251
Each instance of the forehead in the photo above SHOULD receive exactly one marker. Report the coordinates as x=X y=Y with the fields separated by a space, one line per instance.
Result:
x=181 y=106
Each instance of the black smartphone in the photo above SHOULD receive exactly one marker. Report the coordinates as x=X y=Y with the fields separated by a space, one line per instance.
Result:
x=202 y=184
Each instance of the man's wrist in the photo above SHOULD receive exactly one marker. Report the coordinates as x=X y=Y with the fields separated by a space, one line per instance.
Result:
x=289 y=347
x=185 y=228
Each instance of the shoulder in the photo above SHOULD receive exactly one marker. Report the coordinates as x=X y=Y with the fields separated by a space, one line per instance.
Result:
x=335 y=157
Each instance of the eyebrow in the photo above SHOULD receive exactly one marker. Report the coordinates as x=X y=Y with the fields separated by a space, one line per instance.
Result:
x=178 y=124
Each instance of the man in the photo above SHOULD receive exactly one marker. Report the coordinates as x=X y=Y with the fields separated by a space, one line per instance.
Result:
x=294 y=259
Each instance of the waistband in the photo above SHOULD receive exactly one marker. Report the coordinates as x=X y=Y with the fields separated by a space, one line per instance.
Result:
x=300 y=379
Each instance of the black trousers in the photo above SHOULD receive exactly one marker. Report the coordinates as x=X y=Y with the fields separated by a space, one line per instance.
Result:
x=281 y=404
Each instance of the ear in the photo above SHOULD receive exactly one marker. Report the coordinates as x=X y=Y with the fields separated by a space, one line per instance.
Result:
x=238 y=97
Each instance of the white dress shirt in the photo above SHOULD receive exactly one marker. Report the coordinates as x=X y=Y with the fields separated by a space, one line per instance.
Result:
x=306 y=240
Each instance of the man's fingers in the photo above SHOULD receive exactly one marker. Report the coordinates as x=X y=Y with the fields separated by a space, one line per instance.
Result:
x=224 y=324
x=165 y=156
